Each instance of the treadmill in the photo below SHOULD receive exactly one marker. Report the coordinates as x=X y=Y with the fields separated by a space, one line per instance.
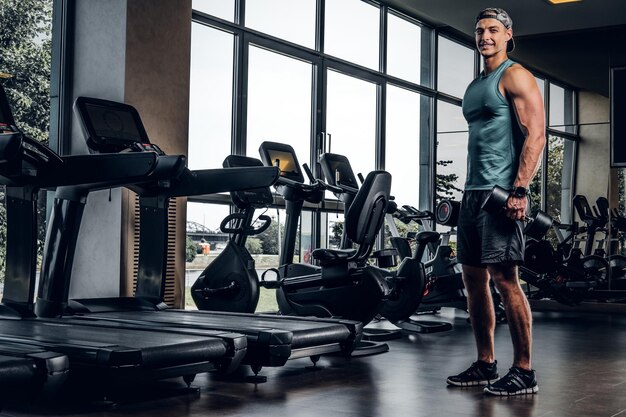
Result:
x=101 y=353
x=272 y=340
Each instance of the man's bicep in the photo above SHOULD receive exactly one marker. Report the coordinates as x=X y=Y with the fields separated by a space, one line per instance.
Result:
x=527 y=101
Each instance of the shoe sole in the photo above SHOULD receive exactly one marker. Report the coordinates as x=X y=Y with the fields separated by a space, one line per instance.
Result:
x=525 y=391
x=479 y=383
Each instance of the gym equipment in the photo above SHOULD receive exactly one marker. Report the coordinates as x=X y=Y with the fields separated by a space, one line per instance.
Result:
x=617 y=262
x=344 y=286
x=409 y=279
x=272 y=340
x=536 y=226
x=99 y=354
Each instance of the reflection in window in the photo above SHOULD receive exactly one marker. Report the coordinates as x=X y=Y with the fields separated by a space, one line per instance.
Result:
x=279 y=102
x=351 y=120
x=352 y=31
x=294 y=22
x=452 y=137
x=455 y=67
x=402 y=142
x=224 y=9
x=404 y=43
x=210 y=97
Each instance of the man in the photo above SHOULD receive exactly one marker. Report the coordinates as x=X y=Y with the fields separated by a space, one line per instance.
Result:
x=505 y=114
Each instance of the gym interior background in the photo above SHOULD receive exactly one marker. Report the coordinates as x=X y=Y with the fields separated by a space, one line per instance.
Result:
x=380 y=81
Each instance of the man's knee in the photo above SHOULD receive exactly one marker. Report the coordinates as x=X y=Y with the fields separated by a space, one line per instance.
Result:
x=503 y=274
x=475 y=278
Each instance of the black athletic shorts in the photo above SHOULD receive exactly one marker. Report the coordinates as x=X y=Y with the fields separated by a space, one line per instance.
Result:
x=484 y=238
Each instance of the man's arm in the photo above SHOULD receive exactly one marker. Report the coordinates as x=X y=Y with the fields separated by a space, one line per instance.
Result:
x=520 y=87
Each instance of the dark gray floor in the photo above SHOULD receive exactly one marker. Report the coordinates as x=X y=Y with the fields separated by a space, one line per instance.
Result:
x=580 y=359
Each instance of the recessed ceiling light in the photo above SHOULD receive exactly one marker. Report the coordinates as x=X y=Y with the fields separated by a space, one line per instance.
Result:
x=563 y=1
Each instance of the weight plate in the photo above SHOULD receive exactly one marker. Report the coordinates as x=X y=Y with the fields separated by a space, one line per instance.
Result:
x=447 y=212
x=539 y=257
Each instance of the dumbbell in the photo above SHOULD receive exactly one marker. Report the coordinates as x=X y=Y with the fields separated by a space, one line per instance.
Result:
x=536 y=226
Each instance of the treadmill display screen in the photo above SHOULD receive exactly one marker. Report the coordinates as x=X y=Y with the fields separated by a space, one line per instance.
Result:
x=286 y=163
x=113 y=124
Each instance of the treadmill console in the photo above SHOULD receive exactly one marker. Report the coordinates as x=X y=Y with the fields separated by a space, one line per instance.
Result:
x=112 y=127
x=284 y=157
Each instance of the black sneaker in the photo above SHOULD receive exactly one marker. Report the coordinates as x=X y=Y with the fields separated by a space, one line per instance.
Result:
x=480 y=373
x=516 y=382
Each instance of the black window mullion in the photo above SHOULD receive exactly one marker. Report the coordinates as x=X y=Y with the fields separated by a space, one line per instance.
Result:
x=240 y=94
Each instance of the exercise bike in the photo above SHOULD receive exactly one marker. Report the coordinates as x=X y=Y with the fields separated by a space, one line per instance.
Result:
x=344 y=286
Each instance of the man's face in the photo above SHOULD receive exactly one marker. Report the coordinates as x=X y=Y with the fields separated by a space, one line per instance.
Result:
x=491 y=37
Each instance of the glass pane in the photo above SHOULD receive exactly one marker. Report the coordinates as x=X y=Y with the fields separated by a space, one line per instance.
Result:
x=455 y=67
x=402 y=154
x=351 y=120
x=27 y=57
x=541 y=85
x=555 y=176
x=286 y=19
x=224 y=9
x=204 y=241
x=279 y=102
x=264 y=249
x=404 y=46
x=306 y=238
x=352 y=31
x=332 y=229
x=561 y=109
x=535 y=191
x=210 y=97
x=452 y=137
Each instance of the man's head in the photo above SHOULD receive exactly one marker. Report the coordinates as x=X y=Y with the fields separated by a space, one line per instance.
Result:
x=494 y=29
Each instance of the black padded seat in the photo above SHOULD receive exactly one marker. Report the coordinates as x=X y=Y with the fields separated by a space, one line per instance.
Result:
x=427 y=237
x=330 y=255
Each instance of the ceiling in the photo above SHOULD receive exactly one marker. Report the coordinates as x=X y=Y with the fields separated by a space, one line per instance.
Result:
x=576 y=42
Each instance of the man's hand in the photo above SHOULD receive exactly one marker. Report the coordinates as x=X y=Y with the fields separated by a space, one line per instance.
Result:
x=516 y=207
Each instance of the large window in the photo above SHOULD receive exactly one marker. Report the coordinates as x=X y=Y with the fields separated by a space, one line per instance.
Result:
x=351 y=120
x=224 y=9
x=210 y=97
x=279 y=102
x=357 y=78
x=352 y=31
x=25 y=63
x=455 y=67
x=404 y=49
x=451 y=151
x=561 y=109
x=286 y=19
x=402 y=144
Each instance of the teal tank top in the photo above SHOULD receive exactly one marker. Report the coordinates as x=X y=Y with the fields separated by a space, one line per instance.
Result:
x=495 y=138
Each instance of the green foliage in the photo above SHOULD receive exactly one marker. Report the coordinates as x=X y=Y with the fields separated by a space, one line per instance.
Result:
x=446 y=184
x=25 y=54
x=191 y=250
x=336 y=230
x=269 y=239
x=254 y=245
x=556 y=148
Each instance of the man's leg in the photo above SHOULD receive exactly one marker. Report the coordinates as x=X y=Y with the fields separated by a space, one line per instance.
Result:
x=484 y=371
x=480 y=306
x=517 y=312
